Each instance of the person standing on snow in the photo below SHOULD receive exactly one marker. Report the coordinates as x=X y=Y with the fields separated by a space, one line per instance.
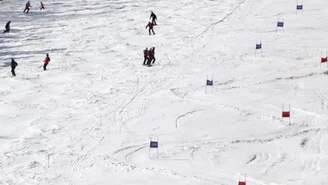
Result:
x=152 y=50
x=7 y=27
x=46 y=62
x=41 y=6
x=13 y=66
x=150 y=57
x=145 y=56
x=27 y=7
x=150 y=25
x=153 y=18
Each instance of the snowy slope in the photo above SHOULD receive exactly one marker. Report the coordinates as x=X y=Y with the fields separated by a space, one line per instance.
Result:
x=95 y=108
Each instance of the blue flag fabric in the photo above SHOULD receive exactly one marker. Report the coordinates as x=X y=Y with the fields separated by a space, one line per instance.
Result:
x=258 y=46
x=153 y=144
x=280 y=24
x=209 y=82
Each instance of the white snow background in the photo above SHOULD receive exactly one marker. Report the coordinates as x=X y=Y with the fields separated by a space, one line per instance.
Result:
x=95 y=108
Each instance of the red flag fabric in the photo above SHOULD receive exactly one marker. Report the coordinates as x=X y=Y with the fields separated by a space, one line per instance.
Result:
x=241 y=183
x=285 y=114
x=323 y=60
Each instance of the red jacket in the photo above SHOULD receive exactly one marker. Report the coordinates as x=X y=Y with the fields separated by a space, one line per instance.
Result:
x=46 y=60
x=28 y=5
x=150 y=54
x=42 y=5
x=150 y=25
x=145 y=52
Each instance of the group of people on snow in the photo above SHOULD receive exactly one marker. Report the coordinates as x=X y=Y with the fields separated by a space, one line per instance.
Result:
x=28 y=6
x=27 y=9
x=151 y=24
x=14 y=64
x=149 y=56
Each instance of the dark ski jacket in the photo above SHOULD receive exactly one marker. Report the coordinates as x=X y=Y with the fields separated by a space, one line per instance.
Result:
x=13 y=64
x=8 y=25
x=145 y=52
x=150 y=25
x=153 y=16
x=150 y=54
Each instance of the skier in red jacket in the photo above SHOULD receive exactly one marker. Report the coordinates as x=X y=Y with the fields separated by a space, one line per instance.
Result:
x=150 y=25
x=27 y=7
x=41 y=6
x=150 y=55
x=145 y=52
x=46 y=62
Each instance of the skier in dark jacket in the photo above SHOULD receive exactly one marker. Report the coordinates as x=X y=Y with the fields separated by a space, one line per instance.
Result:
x=46 y=62
x=27 y=7
x=7 y=27
x=13 y=66
x=150 y=25
x=153 y=54
x=145 y=56
x=153 y=18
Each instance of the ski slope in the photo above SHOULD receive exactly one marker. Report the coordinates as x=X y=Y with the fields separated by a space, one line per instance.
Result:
x=93 y=111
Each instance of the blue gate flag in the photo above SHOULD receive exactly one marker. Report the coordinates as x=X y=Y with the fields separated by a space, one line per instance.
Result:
x=209 y=82
x=258 y=46
x=153 y=144
x=280 y=24
x=299 y=7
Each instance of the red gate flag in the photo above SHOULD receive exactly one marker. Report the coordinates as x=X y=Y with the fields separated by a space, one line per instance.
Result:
x=241 y=183
x=285 y=114
x=323 y=60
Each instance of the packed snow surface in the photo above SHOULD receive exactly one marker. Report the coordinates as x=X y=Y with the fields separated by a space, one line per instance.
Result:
x=89 y=118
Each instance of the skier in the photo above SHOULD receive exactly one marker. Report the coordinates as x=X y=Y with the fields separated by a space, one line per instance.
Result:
x=41 y=6
x=153 y=18
x=46 y=62
x=150 y=25
x=7 y=27
x=145 y=56
x=13 y=66
x=27 y=7
x=153 y=54
x=150 y=57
